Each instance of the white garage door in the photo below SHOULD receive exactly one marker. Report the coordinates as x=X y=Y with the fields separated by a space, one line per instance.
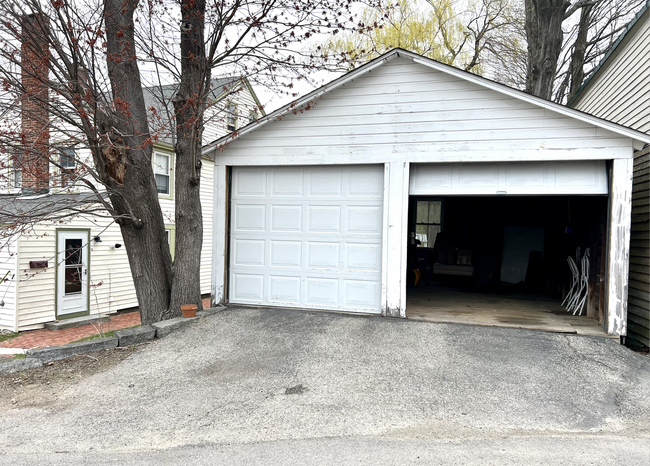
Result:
x=307 y=237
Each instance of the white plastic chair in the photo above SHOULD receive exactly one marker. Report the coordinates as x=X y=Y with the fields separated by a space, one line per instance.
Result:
x=584 y=284
x=575 y=280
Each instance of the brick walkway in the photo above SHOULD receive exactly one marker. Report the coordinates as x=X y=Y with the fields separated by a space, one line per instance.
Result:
x=43 y=337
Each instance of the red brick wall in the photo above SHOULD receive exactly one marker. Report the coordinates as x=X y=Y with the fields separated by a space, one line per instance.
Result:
x=35 y=133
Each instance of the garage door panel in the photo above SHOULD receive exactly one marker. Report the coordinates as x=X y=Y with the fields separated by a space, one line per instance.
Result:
x=248 y=252
x=363 y=257
x=323 y=255
x=365 y=184
x=307 y=237
x=287 y=182
x=520 y=178
x=478 y=176
x=325 y=182
x=324 y=219
x=322 y=291
x=286 y=218
x=247 y=287
x=285 y=289
x=286 y=254
x=364 y=220
x=250 y=217
x=251 y=183
x=362 y=294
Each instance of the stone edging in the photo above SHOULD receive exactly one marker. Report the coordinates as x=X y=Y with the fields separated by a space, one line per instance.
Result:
x=127 y=337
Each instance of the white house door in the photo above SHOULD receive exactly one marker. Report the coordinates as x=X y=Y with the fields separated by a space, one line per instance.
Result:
x=72 y=273
x=307 y=237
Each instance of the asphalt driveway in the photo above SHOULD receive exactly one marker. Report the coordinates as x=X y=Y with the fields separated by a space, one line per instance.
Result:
x=268 y=384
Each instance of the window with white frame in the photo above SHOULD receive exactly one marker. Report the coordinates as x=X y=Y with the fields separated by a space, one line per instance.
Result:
x=162 y=173
x=17 y=170
x=67 y=158
x=231 y=117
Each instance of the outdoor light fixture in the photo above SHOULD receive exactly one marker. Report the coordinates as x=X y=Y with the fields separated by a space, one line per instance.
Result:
x=97 y=239
x=118 y=245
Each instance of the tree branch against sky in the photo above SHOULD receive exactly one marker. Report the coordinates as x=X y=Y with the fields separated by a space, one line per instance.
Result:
x=566 y=40
x=101 y=54
x=468 y=35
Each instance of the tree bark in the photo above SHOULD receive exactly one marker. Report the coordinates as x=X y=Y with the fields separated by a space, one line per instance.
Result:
x=580 y=50
x=544 y=34
x=189 y=105
x=126 y=157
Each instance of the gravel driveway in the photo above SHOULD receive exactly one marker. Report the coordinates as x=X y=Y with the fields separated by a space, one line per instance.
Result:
x=246 y=376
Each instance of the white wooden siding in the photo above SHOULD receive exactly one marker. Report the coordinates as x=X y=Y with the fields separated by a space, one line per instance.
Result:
x=404 y=111
x=110 y=274
x=8 y=256
x=620 y=92
x=215 y=120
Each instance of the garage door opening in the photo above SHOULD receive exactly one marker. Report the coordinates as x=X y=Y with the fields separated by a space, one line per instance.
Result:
x=502 y=260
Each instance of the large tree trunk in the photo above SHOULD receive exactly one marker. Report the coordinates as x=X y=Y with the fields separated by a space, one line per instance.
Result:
x=544 y=34
x=189 y=104
x=580 y=50
x=125 y=166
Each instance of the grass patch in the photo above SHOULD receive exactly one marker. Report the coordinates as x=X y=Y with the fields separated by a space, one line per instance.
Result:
x=8 y=336
x=20 y=356
x=103 y=335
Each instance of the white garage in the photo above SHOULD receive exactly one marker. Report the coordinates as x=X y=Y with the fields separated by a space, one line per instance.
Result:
x=307 y=237
x=316 y=204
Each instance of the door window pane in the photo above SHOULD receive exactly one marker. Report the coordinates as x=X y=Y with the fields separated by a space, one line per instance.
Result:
x=73 y=279
x=73 y=251
x=73 y=265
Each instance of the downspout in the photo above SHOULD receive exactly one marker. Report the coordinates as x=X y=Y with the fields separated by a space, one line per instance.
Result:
x=16 y=281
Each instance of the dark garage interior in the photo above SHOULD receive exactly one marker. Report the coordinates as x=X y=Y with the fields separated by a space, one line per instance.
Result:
x=502 y=260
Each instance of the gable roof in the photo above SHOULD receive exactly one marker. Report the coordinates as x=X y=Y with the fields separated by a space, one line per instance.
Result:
x=621 y=38
x=465 y=75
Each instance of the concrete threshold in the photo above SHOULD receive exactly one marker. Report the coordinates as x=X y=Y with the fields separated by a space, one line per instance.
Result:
x=76 y=322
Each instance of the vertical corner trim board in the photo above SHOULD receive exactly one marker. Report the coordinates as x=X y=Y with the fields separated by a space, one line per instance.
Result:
x=395 y=233
x=219 y=238
x=620 y=221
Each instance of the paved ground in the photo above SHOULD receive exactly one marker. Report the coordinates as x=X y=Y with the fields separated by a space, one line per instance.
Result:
x=273 y=386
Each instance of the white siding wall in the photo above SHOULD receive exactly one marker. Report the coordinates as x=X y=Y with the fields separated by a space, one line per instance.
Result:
x=215 y=119
x=8 y=256
x=621 y=90
x=110 y=274
x=404 y=111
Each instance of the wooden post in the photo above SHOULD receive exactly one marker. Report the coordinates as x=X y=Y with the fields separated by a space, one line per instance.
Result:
x=395 y=238
x=219 y=234
x=618 y=245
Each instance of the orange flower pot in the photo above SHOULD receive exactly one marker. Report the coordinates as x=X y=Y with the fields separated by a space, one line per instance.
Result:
x=188 y=310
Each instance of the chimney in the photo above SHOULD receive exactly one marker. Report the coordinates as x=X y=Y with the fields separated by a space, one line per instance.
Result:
x=35 y=122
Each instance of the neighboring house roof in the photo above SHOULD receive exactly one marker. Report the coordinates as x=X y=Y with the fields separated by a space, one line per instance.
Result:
x=42 y=205
x=160 y=98
x=612 y=49
x=398 y=52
